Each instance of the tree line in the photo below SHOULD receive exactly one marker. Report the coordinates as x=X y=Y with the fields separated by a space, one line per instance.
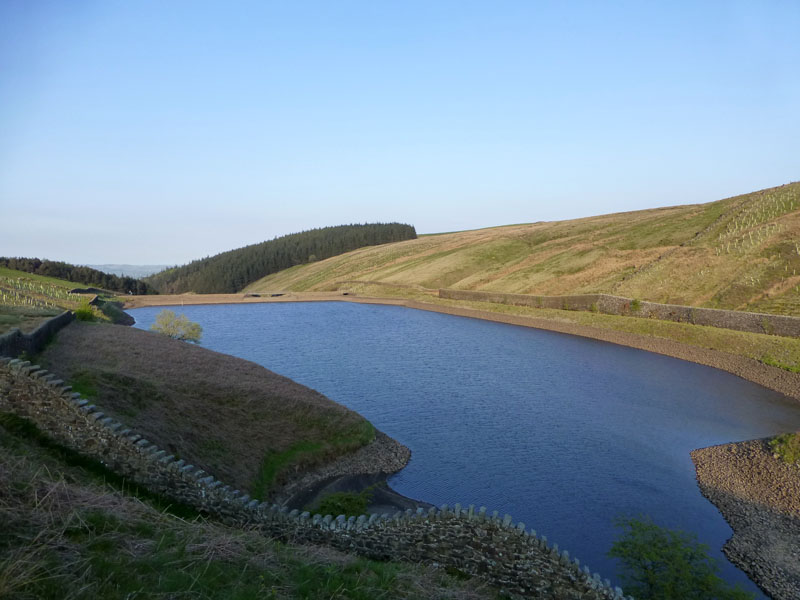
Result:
x=231 y=271
x=77 y=274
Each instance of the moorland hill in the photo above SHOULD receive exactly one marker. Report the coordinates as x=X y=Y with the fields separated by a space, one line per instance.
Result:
x=739 y=253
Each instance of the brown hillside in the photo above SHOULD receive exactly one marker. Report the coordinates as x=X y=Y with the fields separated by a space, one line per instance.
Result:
x=738 y=253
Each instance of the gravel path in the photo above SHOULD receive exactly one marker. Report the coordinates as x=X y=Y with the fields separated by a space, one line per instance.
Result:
x=759 y=496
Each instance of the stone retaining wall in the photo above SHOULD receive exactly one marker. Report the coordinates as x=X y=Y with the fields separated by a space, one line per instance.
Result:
x=14 y=342
x=617 y=305
x=474 y=541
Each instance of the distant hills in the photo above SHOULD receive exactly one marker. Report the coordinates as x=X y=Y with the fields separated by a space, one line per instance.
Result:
x=231 y=271
x=739 y=253
x=135 y=271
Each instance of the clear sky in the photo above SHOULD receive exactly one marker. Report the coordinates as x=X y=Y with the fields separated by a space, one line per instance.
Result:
x=160 y=132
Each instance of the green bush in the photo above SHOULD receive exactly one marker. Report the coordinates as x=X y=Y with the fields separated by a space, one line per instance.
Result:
x=84 y=312
x=659 y=563
x=348 y=504
x=636 y=305
x=177 y=327
x=787 y=447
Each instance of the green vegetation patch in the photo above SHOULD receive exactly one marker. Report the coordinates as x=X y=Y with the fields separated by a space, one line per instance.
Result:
x=301 y=455
x=349 y=504
x=786 y=447
x=664 y=564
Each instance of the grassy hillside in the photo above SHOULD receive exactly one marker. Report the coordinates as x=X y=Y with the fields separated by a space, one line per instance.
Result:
x=233 y=418
x=27 y=300
x=738 y=253
x=73 y=529
x=230 y=271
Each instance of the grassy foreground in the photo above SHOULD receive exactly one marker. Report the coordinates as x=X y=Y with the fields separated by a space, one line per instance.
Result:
x=72 y=530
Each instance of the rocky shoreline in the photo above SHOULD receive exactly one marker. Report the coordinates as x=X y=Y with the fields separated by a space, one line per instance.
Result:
x=759 y=496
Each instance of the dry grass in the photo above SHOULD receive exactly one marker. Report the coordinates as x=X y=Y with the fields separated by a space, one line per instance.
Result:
x=738 y=253
x=226 y=415
x=68 y=534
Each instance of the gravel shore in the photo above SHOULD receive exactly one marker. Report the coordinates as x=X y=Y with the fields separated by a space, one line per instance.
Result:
x=759 y=496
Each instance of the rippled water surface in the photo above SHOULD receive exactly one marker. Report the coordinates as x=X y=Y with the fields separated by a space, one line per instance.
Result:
x=561 y=432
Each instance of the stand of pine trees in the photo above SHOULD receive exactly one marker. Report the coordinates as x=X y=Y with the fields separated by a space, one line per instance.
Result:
x=231 y=271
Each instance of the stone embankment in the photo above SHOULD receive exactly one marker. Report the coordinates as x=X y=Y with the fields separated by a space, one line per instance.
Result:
x=759 y=496
x=617 y=305
x=14 y=342
x=472 y=541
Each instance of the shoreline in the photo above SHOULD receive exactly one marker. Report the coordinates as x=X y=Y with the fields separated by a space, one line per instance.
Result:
x=772 y=378
x=755 y=523
x=762 y=509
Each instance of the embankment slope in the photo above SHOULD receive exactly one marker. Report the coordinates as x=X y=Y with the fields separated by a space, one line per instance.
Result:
x=245 y=424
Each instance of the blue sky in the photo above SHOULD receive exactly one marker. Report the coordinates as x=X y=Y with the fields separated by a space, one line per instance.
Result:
x=160 y=132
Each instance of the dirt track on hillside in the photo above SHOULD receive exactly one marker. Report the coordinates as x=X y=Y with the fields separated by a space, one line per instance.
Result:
x=776 y=379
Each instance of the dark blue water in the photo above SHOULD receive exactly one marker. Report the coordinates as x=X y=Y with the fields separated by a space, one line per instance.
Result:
x=561 y=432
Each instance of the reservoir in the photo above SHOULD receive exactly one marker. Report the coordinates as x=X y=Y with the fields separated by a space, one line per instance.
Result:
x=561 y=432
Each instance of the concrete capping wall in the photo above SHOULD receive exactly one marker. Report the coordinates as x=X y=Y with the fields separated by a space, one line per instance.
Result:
x=616 y=305
x=474 y=541
x=14 y=342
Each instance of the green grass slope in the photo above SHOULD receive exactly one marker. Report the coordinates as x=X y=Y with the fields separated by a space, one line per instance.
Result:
x=739 y=253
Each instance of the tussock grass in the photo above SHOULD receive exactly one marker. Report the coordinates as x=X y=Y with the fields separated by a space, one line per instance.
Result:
x=67 y=533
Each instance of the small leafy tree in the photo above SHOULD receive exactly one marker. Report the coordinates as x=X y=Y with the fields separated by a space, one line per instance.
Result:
x=666 y=564
x=177 y=327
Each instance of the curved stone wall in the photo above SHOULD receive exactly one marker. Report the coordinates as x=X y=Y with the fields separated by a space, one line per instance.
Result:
x=474 y=541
